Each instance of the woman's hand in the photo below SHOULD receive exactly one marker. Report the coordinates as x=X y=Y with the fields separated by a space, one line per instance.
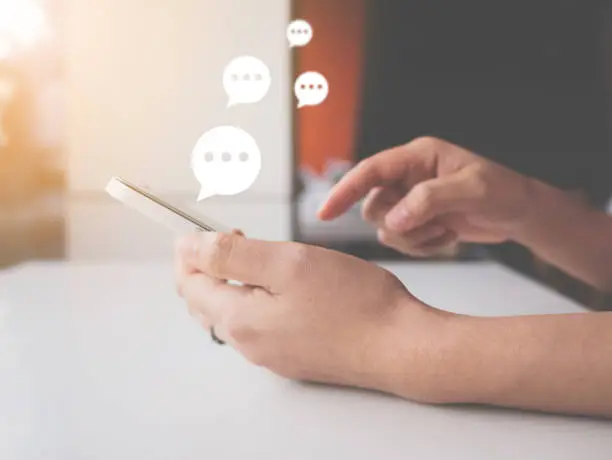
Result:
x=312 y=314
x=428 y=194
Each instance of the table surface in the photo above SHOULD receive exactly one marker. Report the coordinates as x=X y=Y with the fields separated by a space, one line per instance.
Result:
x=103 y=362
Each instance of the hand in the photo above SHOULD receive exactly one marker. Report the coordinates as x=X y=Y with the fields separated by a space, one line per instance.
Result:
x=429 y=194
x=307 y=313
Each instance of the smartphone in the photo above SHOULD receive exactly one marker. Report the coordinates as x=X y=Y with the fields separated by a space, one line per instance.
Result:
x=171 y=216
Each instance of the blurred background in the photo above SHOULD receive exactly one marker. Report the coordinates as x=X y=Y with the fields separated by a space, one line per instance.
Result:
x=32 y=166
x=89 y=90
x=526 y=84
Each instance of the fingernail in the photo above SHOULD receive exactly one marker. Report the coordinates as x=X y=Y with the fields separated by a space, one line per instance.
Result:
x=321 y=210
x=396 y=219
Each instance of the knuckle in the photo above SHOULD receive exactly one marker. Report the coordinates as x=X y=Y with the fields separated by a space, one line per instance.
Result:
x=480 y=181
x=219 y=253
x=300 y=260
x=372 y=215
x=423 y=198
x=367 y=212
x=428 y=143
x=385 y=237
x=370 y=169
x=396 y=242
x=366 y=163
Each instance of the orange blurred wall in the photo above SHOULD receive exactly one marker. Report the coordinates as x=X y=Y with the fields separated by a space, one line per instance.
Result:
x=328 y=130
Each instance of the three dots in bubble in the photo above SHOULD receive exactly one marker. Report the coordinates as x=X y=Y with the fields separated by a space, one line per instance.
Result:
x=226 y=157
x=319 y=86
x=247 y=77
x=300 y=31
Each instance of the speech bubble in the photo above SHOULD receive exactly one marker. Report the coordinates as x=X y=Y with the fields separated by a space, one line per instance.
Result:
x=311 y=88
x=226 y=161
x=246 y=80
x=299 y=33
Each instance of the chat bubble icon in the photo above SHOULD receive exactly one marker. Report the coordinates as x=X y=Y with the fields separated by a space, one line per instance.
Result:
x=311 y=88
x=226 y=161
x=246 y=80
x=299 y=33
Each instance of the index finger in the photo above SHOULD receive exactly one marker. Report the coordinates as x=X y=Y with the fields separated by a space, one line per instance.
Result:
x=383 y=169
x=228 y=256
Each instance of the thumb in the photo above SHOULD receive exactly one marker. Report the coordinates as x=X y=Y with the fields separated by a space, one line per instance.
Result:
x=430 y=199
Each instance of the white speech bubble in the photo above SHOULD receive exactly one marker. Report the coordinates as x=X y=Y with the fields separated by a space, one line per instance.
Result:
x=299 y=33
x=246 y=80
x=311 y=88
x=226 y=161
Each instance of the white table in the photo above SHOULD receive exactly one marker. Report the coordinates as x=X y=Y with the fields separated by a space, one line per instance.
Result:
x=103 y=362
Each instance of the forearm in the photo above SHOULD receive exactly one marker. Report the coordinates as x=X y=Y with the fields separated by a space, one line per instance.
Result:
x=569 y=235
x=554 y=363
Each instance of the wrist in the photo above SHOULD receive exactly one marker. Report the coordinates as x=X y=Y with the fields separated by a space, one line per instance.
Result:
x=547 y=209
x=418 y=353
x=453 y=365
x=537 y=199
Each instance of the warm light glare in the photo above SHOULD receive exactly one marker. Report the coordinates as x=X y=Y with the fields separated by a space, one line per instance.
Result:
x=5 y=48
x=22 y=21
